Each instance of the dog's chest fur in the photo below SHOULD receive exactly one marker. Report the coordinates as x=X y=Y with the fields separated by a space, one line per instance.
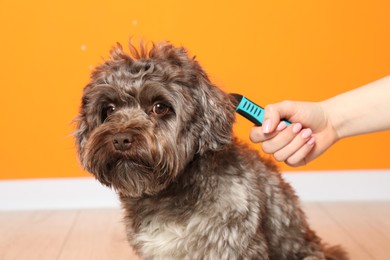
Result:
x=209 y=204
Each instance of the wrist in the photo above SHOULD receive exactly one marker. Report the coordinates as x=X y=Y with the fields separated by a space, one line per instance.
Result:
x=332 y=121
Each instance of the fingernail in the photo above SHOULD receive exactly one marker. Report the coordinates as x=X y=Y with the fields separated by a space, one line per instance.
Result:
x=267 y=126
x=296 y=128
x=282 y=125
x=311 y=141
x=306 y=133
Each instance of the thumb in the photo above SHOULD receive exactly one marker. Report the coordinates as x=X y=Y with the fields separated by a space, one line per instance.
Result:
x=274 y=113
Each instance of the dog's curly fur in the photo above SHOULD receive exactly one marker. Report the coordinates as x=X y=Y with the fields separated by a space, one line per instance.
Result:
x=154 y=127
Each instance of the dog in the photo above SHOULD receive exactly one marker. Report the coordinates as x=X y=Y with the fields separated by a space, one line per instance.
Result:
x=154 y=127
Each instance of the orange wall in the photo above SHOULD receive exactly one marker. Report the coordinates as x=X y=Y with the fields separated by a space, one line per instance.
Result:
x=267 y=50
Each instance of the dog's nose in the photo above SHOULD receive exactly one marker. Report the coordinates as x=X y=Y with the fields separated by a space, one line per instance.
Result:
x=122 y=141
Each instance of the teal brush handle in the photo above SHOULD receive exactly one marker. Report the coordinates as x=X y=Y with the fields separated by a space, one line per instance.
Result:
x=251 y=110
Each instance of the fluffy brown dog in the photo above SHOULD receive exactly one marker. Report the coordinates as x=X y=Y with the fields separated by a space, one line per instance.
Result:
x=154 y=127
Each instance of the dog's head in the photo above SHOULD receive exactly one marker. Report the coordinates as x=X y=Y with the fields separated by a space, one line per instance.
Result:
x=145 y=115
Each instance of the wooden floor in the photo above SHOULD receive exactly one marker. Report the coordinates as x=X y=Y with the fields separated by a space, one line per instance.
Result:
x=362 y=228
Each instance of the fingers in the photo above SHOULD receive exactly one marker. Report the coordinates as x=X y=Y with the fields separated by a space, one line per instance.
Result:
x=294 y=146
x=289 y=144
x=281 y=139
x=300 y=157
x=258 y=135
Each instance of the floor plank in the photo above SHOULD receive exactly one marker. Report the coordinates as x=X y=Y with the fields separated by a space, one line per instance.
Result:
x=34 y=235
x=332 y=233
x=379 y=216
x=362 y=226
x=97 y=234
x=10 y=225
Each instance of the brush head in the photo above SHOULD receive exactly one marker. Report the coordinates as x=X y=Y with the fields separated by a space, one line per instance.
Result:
x=236 y=98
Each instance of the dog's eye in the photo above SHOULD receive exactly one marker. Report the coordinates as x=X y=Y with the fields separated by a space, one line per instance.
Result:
x=160 y=109
x=107 y=111
x=110 y=110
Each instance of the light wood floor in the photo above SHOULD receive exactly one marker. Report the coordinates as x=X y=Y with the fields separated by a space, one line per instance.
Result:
x=362 y=228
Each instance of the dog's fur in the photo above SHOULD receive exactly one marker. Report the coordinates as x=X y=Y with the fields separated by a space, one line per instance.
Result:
x=189 y=189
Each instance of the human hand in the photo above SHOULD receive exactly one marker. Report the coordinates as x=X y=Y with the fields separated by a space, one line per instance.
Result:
x=307 y=138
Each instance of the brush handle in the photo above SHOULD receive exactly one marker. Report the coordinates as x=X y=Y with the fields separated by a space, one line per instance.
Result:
x=252 y=111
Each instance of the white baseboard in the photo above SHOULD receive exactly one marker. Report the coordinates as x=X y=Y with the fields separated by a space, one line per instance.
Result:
x=83 y=193
x=365 y=185
x=42 y=194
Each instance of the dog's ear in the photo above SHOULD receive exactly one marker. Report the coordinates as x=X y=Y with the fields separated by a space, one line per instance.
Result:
x=80 y=133
x=217 y=117
x=82 y=127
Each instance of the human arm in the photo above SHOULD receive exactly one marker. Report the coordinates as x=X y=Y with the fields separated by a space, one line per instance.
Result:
x=362 y=110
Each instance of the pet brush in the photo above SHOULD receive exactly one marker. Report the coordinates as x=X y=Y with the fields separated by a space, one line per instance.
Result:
x=250 y=110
